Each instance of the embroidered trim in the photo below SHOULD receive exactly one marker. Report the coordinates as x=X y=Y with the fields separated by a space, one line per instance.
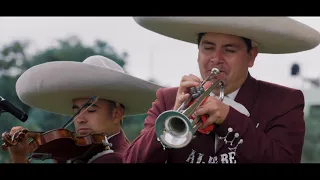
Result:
x=108 y=146
x=100 y=154
x=236 y=135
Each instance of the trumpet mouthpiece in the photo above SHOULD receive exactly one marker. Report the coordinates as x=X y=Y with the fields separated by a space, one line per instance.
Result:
x=215 y=71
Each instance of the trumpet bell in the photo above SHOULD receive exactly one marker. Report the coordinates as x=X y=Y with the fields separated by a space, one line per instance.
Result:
x=174 y=129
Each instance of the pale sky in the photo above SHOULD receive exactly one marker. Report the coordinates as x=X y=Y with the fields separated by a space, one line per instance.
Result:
x=150 y=54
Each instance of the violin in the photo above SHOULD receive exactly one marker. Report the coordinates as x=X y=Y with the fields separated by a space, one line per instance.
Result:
x=59 y=144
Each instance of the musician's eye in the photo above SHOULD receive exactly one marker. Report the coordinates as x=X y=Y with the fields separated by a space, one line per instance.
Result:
x=208 y=48
x=90 y=110
x=230 y=50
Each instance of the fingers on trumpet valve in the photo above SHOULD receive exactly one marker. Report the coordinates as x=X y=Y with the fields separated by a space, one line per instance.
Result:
x=196 y=91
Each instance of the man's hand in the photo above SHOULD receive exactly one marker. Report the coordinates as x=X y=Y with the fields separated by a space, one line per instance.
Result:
x=216 y=110
x=18 y=153
x=184 y=89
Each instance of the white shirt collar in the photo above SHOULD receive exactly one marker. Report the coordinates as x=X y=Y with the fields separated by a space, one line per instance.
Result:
x=233 y=94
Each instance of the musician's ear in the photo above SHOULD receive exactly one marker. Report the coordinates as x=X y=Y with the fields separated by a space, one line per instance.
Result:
x=118 y=114
x=253 y=54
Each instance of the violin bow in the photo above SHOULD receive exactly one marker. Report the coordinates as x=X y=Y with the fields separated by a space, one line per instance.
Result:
x=70 y=121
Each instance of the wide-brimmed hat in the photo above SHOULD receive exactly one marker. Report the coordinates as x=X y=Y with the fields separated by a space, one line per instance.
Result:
x=275 y=35
x=52 y=86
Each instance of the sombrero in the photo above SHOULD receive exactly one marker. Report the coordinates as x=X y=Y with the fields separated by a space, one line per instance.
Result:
x=274 y=35
x=52 y=86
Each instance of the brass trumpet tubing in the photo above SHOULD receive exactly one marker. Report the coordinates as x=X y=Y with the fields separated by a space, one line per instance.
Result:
x=196 y=120
x=184 y=104
x=175 y=129
x=197 y=126
x=196 y=123
x=214 y=71
x=191 y=109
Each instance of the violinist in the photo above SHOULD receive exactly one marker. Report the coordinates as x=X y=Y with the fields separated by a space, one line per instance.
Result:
x=67 y=88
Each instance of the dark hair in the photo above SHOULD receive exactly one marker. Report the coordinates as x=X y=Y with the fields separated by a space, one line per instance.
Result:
x=246 y=41
x=112 y=105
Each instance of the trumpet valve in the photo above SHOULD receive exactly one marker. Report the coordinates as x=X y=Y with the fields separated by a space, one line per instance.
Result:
x=196 y=91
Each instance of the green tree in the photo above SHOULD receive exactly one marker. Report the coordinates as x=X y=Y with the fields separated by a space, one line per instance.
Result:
x=311 y=146
x=13 y=61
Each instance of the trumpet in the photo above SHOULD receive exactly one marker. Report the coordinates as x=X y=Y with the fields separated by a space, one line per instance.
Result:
x=176 y=128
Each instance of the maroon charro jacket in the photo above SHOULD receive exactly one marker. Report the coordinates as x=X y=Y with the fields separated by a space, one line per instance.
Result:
x=274 y=132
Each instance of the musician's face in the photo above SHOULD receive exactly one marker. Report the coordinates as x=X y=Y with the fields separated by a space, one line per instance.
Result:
x=229 y=54
x=99 y=118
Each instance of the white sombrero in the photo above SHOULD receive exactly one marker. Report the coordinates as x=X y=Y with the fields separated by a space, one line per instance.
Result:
x=275 y=35
x=53 y=85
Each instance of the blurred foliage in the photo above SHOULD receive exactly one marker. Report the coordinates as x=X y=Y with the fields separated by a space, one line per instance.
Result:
x=311 y=149
x=14 y=60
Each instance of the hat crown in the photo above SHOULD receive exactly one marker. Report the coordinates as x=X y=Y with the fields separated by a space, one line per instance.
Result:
x=104 y=62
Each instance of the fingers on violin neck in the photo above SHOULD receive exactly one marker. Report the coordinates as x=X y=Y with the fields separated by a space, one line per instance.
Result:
x=6 y=137
x=20 y=137
x=5 y=134
x=24 y=131
x=4 y=146
x=20 y=133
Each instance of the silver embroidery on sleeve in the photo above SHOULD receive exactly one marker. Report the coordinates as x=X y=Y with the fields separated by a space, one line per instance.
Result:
x=225 y=137
x=234 y=149
x=236 y=135
x=234 y=143
x=100 y=154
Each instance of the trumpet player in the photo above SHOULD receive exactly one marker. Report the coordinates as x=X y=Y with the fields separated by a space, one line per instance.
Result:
x=256 y=121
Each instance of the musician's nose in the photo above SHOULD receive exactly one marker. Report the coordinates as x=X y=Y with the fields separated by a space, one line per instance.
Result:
x=81 y=120
x=217 y=57
x=216 y=60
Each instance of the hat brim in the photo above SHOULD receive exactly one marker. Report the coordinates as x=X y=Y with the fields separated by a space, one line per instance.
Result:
x=274 y=35
x=52 y=86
